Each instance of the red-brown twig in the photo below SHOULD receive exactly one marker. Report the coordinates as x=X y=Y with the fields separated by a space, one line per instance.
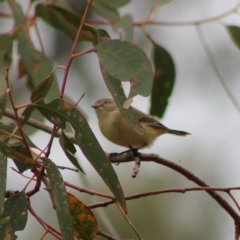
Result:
x=91 y=192
x=46 y=226
x=105 y=235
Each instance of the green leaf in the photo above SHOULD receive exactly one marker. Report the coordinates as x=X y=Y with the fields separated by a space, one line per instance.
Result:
x=234 y=32
x=69 y=150
x=113 y=4
x=22 y=167
x=14 y=140
x=12 y=146
x=127 y=24
x=13 y=154
x=39 y=92
x=59 y=112
x=6 y=43
x=37 y=65
x=84 y=222
x=14 y=216
x=3 y=103
x=64 y=20
x=106 y=10
x=116 y=89
x=42 y=89
x=127 y=62
x=59 y=198
x=164 y=79
x=3 y=174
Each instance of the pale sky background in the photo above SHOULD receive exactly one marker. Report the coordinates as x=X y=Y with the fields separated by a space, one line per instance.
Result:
x=198 y=105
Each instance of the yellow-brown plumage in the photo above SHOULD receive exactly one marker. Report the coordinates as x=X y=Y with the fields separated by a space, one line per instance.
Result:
x=116 y=129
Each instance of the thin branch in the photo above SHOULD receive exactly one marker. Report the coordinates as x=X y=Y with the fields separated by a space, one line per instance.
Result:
x=74 y=47
x=189 y=175
x=172 y=190
x=35 y=124
x=105 y=235
x=217 y=72
x=165 y=162
x=187 y=23
x=173 y=23
x=46 y=226
x=91 y=192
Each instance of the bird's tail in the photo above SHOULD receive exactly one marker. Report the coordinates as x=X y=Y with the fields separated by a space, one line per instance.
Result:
x=178 y=133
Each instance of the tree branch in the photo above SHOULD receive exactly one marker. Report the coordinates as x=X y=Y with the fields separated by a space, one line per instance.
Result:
x=189 y=175
x=129 y=157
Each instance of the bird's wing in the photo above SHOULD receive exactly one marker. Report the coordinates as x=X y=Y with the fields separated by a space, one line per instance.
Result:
x=151 y=122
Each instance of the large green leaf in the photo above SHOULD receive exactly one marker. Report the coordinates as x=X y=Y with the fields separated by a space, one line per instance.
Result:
x=36 y=64
x=113 y=4
x=14 y=216
x=14 y=140
x=116 y=89
x=106 y=10
x=12 y=146
x=64 y=20
x=164 y=79
x=59 y=198
x=127 y=62
x=13 y=154
x=60 y=112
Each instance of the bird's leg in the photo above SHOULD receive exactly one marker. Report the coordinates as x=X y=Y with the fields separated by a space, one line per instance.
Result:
x=132 y=150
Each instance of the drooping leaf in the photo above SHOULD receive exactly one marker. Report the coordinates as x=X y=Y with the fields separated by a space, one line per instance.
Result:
x=3 y=174
x=22 y=167
x=234 y=32
x=164 y=79
x=113 y=4
x=84 y=222
x=14 y=216
x=3 y=103
x=127 y=62
x=11 y=143
x=39 y=92
x=6 y=42
x=106 y=10
x=127 y=25
x=42 y=89
x=64 y=20
x=116 y=89
x=59 y=112
x=59 y=198
x=69 y=150
x=36 y=64
x=14 y=140
x=13 y=154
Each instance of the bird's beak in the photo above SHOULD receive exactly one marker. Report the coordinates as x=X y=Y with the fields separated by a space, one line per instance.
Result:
x=94 y=106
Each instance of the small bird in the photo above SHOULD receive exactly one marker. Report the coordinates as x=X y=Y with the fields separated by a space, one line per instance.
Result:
x=116 y=129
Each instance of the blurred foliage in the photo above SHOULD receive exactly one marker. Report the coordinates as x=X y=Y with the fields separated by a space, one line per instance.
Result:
x=120 y=60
